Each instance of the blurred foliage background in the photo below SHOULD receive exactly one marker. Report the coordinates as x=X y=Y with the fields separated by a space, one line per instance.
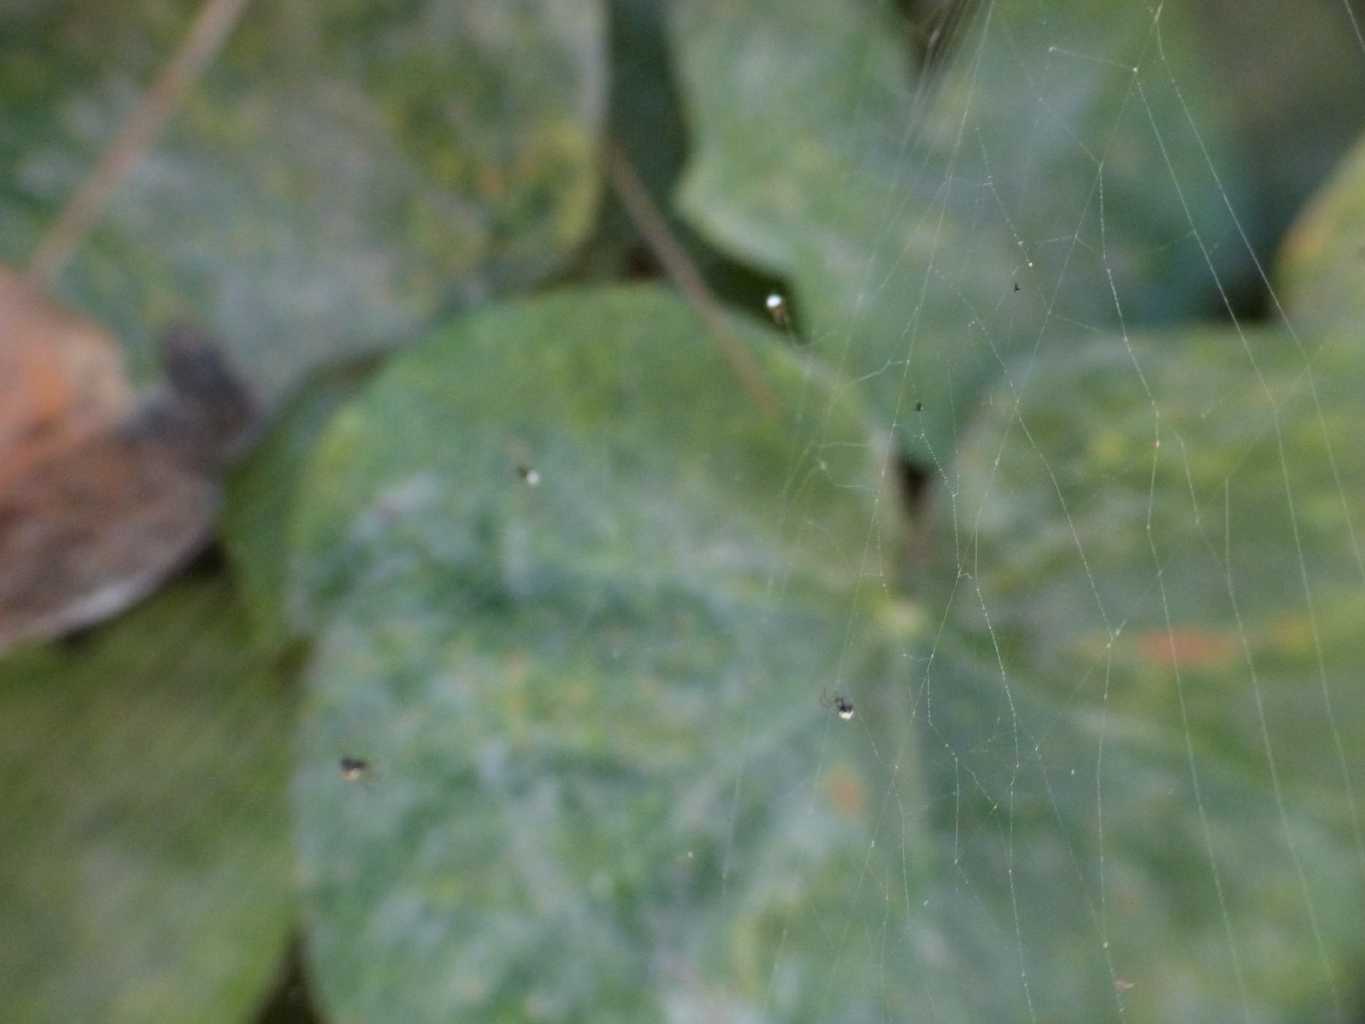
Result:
x=444 y=625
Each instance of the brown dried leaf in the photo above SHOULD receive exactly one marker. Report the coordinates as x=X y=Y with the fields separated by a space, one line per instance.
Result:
x=86 y=533
x=61 y=378
x=106 y=507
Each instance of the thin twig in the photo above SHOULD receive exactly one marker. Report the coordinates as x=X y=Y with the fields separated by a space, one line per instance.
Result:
x=212 y=26
x=645 y=215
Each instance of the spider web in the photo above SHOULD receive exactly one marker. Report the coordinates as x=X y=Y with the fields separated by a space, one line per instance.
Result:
x=1087 y=580
x=1045 y=761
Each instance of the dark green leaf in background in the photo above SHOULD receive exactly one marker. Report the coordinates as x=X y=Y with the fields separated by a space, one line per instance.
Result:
x=645 y=123
x=644 y=118
x=145 y=873
x=261 y=494
x=345 y=172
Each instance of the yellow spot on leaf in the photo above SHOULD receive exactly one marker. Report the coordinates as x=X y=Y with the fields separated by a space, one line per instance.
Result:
x=1108 y=447
x=1291 y=634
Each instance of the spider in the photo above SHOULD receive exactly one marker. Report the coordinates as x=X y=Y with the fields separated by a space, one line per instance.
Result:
x=840 y=704
x=777 y=309
x=354 y=768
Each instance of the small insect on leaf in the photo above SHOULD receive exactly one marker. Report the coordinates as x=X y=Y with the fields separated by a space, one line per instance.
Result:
x=842 y=706
x=777 y=309
x=354 y=769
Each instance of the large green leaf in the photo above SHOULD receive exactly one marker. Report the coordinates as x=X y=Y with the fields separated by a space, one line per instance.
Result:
x=343 y=173
x=908 y=206
x=145 y=872
x=1149 y=669
x=603 y=785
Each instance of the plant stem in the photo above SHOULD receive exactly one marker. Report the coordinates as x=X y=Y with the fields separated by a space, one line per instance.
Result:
x=678 y=265
x=211 y=28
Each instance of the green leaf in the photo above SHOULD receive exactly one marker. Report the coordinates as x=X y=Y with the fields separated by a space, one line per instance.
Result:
x=145 y=873
x=1322 y=268
x=1173 y=101
x=1149 y=672
x=800 y=167
x=602 y=787
x=343 y=173
x=591 y=703
x=907 y=204
x=260 y=496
